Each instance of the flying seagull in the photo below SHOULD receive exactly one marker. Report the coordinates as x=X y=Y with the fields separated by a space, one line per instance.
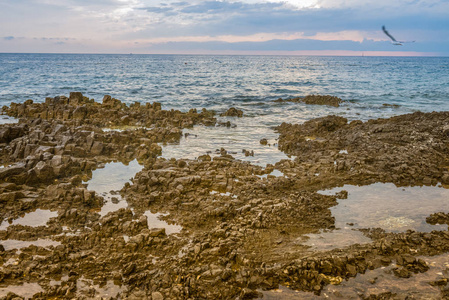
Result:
x=393 y=40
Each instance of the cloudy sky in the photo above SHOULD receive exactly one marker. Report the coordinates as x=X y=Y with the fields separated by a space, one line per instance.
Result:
x=341 y=27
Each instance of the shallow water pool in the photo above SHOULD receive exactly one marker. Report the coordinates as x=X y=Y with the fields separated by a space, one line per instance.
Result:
x=110 y=179
x=380 y=205
x=154 y=221
x=39 y=217
x=376 y=282
x=201 y=140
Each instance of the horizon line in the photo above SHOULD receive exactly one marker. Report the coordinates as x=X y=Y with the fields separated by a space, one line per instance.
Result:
x=348 y=53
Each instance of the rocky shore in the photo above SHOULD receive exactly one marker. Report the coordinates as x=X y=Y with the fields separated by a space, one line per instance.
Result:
x=240 y=230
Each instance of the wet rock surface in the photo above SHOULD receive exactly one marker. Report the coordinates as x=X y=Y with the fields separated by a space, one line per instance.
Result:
x=240 y=230
x=233 y=112
x=315 y=100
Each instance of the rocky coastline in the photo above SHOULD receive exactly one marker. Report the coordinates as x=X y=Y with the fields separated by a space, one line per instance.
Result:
x=240 y=225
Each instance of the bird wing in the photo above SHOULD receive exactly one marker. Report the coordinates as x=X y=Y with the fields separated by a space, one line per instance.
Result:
x=389 y=35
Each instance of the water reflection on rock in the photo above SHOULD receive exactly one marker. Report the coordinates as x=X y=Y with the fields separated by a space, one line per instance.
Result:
x=110 y=179
x=39 y=217
x=17 y=244
x=392 y=208
x=380 y=281
x=154 y=221
x=87 y=288
x=26 y=290
x=380 y=205
x=242 y=142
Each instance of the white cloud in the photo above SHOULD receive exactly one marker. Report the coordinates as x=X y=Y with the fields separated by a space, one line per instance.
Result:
x=121 y=23
x=300 y=4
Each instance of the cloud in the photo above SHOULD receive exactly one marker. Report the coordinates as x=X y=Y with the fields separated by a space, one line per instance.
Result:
x=239 y=18
x=183 y=3
x=215 y=7
x=295 y=45
x=227 y=24
x=8 y=38
x=157 y=9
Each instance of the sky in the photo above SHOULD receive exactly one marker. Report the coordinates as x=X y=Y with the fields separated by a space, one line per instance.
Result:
x=290 y=27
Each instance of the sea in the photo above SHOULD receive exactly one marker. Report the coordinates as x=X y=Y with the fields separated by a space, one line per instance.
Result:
x=249 y=83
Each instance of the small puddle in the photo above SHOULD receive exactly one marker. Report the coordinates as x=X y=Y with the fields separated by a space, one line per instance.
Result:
x=154 y=221
x=16 y=244
x=109 y=180
x=376 y=282
x=275 y=173
x=27 y=290
x=227 y=194
x=328 y=240
x=59 y=282
x=201 y=140
x=123 y=128
x=380 y=205
x=86 y=287
x=39 y=217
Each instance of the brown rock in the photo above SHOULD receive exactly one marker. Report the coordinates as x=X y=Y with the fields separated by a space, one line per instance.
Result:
x=352 y=270
x=12 y=170
x=322 y=100
x=97 y=148
x=43 y=171
x=76 y=98
x=157 y=232
x=157 y=296
x=232 y=112
x=205 y=157
x=80 y=113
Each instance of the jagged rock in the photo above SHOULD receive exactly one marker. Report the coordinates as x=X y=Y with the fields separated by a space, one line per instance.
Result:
x=43 y=171
x=154 y=232
x=438 y=218
x=232 y=112
x=97 y=148
x=315 y=99
x=240 y=232
x=12 y=170
x=322 y=100
x=76 y=98
x=80 y=112
x=157 y=296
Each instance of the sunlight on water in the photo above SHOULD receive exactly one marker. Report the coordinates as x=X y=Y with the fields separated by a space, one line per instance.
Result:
x=4 y=119
x=86 y=287
x=39 y=217
x=203 y=140
x=154 y=221
x=16 y=244
x=196 y=81
x=380 y=205
x=110 y=179
x=361 y=286
x=27 y=290
x=333 y=239
x=389 y=207
x=275 y=173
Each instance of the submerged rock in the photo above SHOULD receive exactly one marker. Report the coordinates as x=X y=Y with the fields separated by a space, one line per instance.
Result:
x=232 y=112
x=322 y=100
x=315 y=99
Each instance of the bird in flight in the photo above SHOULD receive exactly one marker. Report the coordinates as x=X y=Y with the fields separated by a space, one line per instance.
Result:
x=393 y=40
